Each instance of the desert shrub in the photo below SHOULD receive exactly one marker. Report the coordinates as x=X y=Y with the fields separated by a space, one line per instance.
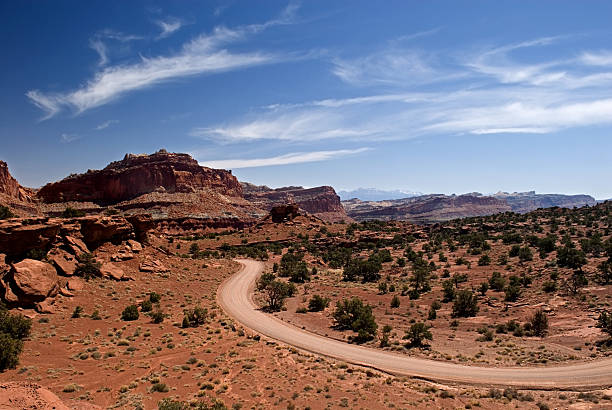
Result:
x=70 y=212
x=157 y=316
x=160 y=387
x=525 y=254
x=514 y=251
x=418 y=333
x=88 y=267
x=96 y=315
x=384 y=339
x=466 y=304
x=78 y=311
x=171 y=404
x=395 y=302
x=366 y=270
x=549 y=286
x=354 y=315
x=513 y=292
x=484 y=260
x=275 y=291
x=539 y=323
x=38 y=254
x=383 y=288
x=448 y=289
x=13 y=329
x=317 y=303
x=483 y=288
x=130 y=313
x=146 y=305
x=293 y=266
x=497 y=282
x=570 y=257
x=5 y=212
x=194 y=317
x=154 y=297
x=604 y=322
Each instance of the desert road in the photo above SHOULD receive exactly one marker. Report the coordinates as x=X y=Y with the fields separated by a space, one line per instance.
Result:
x=235 y=296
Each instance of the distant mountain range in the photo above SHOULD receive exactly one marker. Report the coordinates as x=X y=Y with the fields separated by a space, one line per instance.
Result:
x=373 y=194
x=439 y=207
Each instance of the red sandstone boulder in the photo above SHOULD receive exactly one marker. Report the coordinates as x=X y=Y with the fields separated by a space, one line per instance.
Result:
x=64 y=262
x=30 y=281
x=76 y=245
x=142 y=224
x=153 y=266
x=112 y=271
x=17 y=237
x=135 y=246
x=113 y=229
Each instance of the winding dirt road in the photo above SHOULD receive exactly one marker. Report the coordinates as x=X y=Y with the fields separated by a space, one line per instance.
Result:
x=236 y=297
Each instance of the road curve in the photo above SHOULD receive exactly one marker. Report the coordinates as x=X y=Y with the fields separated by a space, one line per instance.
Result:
x=235 y=296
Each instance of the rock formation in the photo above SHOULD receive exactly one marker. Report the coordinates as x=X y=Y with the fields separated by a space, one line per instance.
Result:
x=523 y=202
x=320 y=201
x=13 y=195
x=283 y=213
x=438 y=208
x=136 y=175
x=29 y=282
x=426 y=209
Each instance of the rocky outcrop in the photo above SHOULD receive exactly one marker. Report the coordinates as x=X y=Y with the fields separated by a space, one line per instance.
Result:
x=523 y=202
x=18 y=237
x=136 y=175
x=426 y=208
x=29 y=282
x=10 y=187
x=282 y=213
x=98 y=230
x=142 y=224
x=320 y=201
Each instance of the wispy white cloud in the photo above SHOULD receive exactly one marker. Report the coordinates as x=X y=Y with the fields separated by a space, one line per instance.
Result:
x=205 y=54
x=603 y=58
x=105 y=125
x=66 y=138
x=292 y=158
x=168 y=26
x=99 y=47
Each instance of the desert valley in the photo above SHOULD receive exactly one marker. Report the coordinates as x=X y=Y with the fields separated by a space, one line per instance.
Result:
x=115 y=284
x=291 y=204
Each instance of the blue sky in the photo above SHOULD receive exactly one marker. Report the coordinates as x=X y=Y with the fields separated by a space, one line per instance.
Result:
x=428 y=96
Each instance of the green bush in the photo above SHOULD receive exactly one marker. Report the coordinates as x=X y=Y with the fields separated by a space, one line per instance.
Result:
x=130 y=313
x=5 y=213
x=354 y=315
x=157 y=316
x=466 y=304
x=395 y=302
x=78 y=311
x=13 y=329
x=539 y=323
x=87 y=267
x=194 y=317
x=154 y=297
x=146 y=305
x=418 y=333
x=70 y=212
x=317 y=303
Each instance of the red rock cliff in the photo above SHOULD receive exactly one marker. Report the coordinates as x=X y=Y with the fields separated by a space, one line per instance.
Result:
x=10 y=187
x=141 y=174
x=321 y=201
